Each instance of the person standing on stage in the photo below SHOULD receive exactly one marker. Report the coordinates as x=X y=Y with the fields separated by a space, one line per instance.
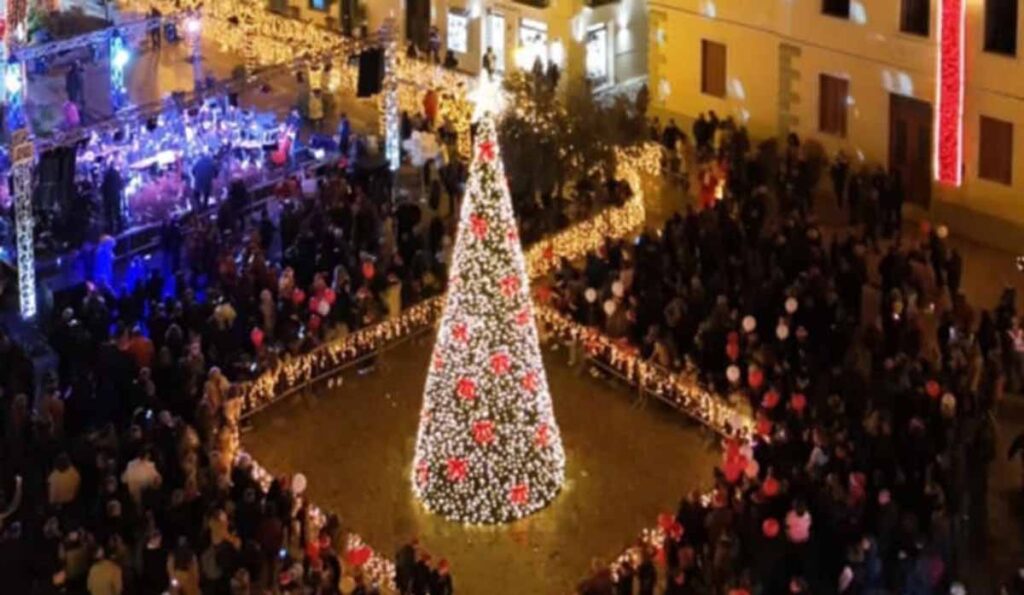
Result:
x=203 y=174
x=155 y=30
x=112 y=190
x=344 y=133
x=73 y=84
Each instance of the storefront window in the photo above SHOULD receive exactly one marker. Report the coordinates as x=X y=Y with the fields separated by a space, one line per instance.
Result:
x=533 y=43
x=458 y=32
x=597 y=54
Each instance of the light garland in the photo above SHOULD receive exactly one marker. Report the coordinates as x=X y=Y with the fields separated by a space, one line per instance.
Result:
x=950 y=92
x=267 y=38
x=488 y=449
x=388 y=100
x=299 y=370
x=681 y=389
x=619 y=222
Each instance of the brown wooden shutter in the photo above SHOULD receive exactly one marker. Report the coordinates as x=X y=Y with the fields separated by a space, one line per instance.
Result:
x=713 y=73
x=995 y=150
x=832 y=104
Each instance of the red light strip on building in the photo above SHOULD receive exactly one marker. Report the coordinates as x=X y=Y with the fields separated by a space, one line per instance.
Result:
x=949 y=119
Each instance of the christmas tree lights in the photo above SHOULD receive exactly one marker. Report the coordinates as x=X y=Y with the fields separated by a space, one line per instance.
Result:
x=488 y=448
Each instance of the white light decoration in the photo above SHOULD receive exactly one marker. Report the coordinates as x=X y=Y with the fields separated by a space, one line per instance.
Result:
x=21 y=175
x=487 y=97
x=488 y=448
x=120 y=55
x=389 y=114
x=12 y=79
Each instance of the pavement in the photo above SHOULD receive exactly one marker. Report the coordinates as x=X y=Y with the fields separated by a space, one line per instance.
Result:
x=626 y=463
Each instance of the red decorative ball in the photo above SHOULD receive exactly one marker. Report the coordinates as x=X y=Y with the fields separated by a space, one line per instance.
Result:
x=755 y=378
x=543 y=436
x=478 y=225
x=460 y=332
x=457 y=469
x=368 y=270
x=933 y=389
x=530 y=382
x=799 y=402
x=487 y=151
x=466 y=389
x=500 y=363
x=510 y=285
x=770 y=528
x=519 y=494
x=483 y=432
x=770 y=400
x=256 y=336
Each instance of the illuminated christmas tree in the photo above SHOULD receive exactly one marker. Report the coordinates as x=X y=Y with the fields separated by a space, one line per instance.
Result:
x=488 y=448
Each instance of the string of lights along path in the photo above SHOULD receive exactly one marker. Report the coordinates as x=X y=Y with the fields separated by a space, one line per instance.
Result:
x=488 y=448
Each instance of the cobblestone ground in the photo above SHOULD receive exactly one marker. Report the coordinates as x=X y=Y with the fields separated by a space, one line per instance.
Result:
x=626 y=463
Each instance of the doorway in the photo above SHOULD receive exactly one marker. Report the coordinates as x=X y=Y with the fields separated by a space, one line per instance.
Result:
x=910 y=146
x=417 y=23
x=494 y=38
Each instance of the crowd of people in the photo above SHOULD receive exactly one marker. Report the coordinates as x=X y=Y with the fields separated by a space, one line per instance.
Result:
x=120 y=479
x=872 y=408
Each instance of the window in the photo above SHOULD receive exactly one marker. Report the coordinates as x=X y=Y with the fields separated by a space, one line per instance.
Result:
x=458 y=32
x=533 y=43
x=832 y=105
x=597 y=54
x=914 y=16
x=712 y=74
x=320 y=5
x=1001 y=27
x=995 y=150
x=836 y=8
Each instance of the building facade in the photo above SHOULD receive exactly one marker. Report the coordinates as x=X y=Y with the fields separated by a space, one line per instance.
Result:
x=606 y=41
x=931 y=88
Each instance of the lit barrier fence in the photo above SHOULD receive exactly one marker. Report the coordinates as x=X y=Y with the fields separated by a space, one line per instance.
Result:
x=681 y=390
x=299 y=372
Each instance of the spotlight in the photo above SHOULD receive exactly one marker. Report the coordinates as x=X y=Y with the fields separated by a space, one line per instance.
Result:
x=120 y=56
x=192 y=25
x=12 y=80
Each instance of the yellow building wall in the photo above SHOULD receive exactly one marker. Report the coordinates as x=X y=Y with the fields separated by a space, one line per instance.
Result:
x=875 y=57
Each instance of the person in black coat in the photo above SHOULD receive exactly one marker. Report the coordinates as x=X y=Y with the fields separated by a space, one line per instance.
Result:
x=112 y=189
x=203 y=173
x=405 y=566
x=421 y=575
x=647 y=575
x=441 y=583
x=624 y=584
